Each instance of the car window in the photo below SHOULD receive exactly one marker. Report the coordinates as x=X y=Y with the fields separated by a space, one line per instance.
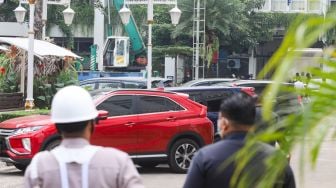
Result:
x=195 y=96
x=151 y=104
x=132 y=85
x=109 y=85
x=117 y=105
x=214 y=99
x=89 y=86
x=215 y=82
x=202 y=84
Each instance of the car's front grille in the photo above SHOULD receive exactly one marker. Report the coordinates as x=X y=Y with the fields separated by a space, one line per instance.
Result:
x=3 y=147
x=6 y=132
x=3 y=134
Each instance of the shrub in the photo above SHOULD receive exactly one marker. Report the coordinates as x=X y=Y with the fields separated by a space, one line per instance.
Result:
x=13 y=114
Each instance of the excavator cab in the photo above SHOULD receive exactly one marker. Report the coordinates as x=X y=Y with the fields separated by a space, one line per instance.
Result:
x=116 y=52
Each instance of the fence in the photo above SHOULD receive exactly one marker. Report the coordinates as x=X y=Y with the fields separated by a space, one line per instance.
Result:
x=11 y=101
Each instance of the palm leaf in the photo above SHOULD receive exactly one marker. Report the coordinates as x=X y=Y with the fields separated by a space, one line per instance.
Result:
x=310 y=127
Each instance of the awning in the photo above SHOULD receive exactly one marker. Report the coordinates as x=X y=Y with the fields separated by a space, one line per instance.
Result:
x=41 y=48
x=3 y=48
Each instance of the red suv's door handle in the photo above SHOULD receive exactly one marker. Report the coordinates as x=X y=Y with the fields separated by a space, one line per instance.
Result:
x=171 y=118
x=130 y=124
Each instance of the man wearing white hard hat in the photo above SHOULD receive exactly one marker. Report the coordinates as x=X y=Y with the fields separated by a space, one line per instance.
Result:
x=76 y=163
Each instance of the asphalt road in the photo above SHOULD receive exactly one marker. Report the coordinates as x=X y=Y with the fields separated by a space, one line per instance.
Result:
x=322 y=177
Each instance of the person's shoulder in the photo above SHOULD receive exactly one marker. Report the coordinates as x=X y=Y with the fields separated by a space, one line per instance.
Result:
x=43 y=156
x=266 y=148
x=215 y=147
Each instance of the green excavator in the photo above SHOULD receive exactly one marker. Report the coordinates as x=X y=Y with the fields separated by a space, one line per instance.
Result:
x=125 y=53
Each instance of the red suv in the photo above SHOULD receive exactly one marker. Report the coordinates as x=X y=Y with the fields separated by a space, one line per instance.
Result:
x=152 y=126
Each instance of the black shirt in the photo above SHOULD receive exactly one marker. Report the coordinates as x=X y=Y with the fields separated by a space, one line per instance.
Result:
x=207 y=170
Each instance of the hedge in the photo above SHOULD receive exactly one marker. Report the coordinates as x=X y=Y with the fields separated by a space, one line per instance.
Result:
x=13 y=114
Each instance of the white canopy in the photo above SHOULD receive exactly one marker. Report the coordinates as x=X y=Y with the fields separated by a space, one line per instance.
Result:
x=3 y=48
x=41 y=48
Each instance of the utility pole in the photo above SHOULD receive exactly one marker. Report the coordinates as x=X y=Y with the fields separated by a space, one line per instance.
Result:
x=197 y=40
x=198 y=37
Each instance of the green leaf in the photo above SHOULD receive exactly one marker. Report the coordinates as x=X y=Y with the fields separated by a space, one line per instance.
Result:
x=42 y=98
x=59 y=85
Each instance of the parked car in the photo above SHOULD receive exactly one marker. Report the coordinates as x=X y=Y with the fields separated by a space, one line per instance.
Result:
x=207 y=82
x=211 y=96
x=122 y=82
x=152 y=126
x=286 y=102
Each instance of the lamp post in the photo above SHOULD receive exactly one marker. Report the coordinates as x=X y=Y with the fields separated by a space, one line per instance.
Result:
x=20 y=14
x=175 y=14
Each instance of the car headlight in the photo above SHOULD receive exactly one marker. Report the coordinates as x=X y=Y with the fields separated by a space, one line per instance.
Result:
x=26 y=144
x=27 y=130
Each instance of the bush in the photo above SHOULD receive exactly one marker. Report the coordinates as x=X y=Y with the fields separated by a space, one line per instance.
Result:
x=13 y=114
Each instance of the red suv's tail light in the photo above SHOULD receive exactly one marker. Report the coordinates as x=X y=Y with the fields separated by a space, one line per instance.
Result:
x=249 y=91
x=204 y=111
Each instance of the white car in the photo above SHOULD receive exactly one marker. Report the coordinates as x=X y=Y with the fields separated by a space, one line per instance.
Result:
x=207 y=82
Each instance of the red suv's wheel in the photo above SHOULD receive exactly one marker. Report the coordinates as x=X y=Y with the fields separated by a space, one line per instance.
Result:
x=21 y=167
x=52 y=145
x=181 y=154
x=147 y=164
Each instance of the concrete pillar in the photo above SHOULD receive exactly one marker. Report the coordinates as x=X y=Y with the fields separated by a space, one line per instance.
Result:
x=170 y=68
x=253 y=65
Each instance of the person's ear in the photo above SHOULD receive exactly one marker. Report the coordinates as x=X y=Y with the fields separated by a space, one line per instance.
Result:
x=225 y=122
x=224 y=127
x=91 y=126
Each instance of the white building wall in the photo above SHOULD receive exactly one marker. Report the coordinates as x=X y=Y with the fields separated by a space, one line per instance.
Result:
x=13 y=29
x=78 y=31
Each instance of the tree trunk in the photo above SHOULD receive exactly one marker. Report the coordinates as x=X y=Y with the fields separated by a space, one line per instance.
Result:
x=38 y=25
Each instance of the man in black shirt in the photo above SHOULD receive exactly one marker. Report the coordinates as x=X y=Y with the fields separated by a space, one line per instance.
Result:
x=236 y=119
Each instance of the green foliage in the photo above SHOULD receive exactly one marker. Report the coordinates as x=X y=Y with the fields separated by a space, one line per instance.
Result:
x=9 y=115
x=6 y=11
x=172 y=51
x=313 y=122
x=8 y=78
x=84 y=16
x=233 y=24
x=46 y=87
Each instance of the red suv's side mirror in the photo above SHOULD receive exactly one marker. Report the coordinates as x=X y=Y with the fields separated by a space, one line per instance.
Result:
x=102 y=114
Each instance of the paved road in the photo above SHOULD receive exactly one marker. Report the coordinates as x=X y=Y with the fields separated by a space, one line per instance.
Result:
x=161 y=177
x=323 y=175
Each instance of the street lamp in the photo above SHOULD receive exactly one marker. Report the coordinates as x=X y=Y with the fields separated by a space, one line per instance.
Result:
x=125 y=14
x=68 y=15
x=20 y=14
x=175 y=15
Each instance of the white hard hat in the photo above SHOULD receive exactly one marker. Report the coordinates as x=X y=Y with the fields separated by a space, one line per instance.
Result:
x=72 y=104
